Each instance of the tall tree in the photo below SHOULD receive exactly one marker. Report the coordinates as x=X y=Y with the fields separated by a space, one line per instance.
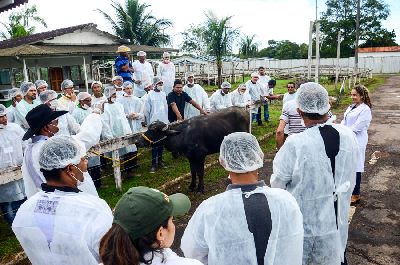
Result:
x=284 y=50
x=22 y=23
x=193 y=41
x=248 y=47
x=219 y=37
x=139 y=26
x=341 y=16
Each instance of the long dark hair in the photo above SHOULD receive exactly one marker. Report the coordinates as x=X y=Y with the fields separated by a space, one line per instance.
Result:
x=116 y=247
x=363 y=92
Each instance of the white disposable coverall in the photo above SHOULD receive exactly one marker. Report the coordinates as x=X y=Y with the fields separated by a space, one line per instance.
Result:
x=240 y=100
x=62 y=227
x=218 y=232
x=67 y=104
x=89 y=136
x=167 y=73
x=22 y=109
x=155 y=107
x=133 y=105
x=358 y=120
x=144 y=73
x=98 y=100
x=67 y=125
x=219 y=102
x=302 y=167
x=198 y=94
x=263 y=81
x=11 y=146
x=11 y=113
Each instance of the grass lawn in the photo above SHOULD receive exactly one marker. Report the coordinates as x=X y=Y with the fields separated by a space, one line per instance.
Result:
x=177 y=167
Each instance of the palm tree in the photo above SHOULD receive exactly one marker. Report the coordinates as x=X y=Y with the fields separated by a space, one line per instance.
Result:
x=20 y=23
x=137 y=25
x=219 y=38
x=248 y=47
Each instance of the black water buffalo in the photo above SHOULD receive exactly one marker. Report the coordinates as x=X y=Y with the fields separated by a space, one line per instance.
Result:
x=198 y=137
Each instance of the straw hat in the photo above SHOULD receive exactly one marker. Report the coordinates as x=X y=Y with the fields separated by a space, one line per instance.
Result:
x=123 y=48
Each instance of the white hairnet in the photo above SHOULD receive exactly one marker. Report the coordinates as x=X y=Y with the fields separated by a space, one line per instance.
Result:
x=242 y=86
x=254 y=74
x=166 y=54
x=188 y=74
x=241 y=153
x=83 y=95
x=141 y=53
x=3 y=110
x=13 y=92
x=117 y=77
x=109 y=91
x=127 y=84
x=25 y=86
x=39 y=83
x=47 y=95
x=60 y=151
x=313 y=98
x=67 y=84
x=225 y=85
x=96 y=82
x=157 y=80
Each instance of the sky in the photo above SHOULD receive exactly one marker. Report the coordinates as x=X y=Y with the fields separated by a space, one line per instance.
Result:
x=267 y=19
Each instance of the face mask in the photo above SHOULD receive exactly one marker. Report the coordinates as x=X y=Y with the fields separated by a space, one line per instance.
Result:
x=113 y=100
x=2 y=126
x=241 y=92
x=54 y=104
x=78 y=182
x=85 y=106
x=160 y=88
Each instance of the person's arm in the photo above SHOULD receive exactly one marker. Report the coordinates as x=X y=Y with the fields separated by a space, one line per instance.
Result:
x=283 y=166
x=280 y=134
x=176 y=111
x=197 y=106
x=362 y=122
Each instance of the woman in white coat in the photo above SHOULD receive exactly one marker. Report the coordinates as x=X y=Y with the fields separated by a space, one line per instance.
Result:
x=358 y=117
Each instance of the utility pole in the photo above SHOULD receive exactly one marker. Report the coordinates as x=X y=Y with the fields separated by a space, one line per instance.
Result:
x=337 y=58
x=316 y=51
x=310 y=44
x=357 y=39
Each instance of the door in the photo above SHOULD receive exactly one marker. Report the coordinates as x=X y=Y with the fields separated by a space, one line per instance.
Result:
x=56 y=78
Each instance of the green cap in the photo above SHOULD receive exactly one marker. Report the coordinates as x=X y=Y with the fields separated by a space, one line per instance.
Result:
x=142 y=210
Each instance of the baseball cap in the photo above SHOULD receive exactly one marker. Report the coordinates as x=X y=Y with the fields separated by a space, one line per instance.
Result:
x=141 y=210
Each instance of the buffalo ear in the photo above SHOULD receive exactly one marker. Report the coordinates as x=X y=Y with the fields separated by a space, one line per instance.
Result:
x=172 y=132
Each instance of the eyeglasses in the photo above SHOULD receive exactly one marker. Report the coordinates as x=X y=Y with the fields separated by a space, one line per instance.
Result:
x=290 y=87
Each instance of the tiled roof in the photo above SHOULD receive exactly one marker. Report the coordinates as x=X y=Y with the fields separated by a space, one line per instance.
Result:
x=38 y=37
x=15 y=3
x=380 y=49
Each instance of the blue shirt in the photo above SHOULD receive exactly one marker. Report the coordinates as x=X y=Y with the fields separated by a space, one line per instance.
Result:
x=120 y=61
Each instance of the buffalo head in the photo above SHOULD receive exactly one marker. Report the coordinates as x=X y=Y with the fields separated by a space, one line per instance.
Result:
x=156 y=133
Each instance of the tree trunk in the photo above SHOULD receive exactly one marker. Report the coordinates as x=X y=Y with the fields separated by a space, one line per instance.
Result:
x=219 y=70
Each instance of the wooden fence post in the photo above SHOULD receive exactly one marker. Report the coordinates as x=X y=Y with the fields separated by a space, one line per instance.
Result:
x=117 y=170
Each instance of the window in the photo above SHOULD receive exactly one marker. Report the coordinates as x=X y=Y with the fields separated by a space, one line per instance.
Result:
x=5 y=77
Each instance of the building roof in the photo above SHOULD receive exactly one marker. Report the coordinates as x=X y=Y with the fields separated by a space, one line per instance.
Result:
x=39 y=37
x=9 y=4
x=30 y=50
x=380 y=49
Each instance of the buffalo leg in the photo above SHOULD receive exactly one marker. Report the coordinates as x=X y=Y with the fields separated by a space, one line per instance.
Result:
x=193 y=173
x=200 y=173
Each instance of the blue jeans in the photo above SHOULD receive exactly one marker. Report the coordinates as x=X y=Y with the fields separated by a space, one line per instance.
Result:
x=9 y=210
x=357 y=187
x=156 y=154
x=257 y=116
x=266 y=112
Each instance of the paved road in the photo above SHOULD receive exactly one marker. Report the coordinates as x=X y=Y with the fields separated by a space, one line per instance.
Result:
x=374 y=236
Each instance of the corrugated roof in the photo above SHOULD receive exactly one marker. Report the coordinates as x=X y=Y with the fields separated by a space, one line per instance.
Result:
x=4 y=6
x=30 y=50
x=380 y=49
x=39 y=37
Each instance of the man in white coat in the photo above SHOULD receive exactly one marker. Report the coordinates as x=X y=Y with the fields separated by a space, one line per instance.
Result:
x=240 y=98
x=221 y=99
x=167 y=72
x=249 y=223
x=143 y=75
x=67 y=101
x=15 y=95
x=61 y=224
x=198 y=94
x=29 y=93
x=318 y=166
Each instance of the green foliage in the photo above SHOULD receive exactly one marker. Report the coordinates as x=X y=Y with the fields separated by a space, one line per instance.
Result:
x=193 y=41
x=284 y=50
x=341 y=16
x=135 y=23
x=384 y=38
x=20 y=23
x=248 y=48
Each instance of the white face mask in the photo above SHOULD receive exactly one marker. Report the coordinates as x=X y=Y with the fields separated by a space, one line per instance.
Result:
x=54 y=104
x=160 y=88
x=78 y=182
x=85 y=106
x=113 y=100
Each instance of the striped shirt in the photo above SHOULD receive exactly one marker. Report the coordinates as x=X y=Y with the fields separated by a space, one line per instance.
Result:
x=120 y=61
x=292 y=118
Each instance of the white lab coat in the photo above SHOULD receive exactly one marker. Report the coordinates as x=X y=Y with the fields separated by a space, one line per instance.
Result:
x=11 y=146
x=133 y=105
x=218 y=232
x=22 y=109
x=144 y=73
x=219 y=102
x=67 y=104
x=88 y=136
x=155 y=107
x=198 y=94
x=62 y=227
x=302 y=167
x=255 y=91
x=67 y=125
x=11 y=113
x=98 y=100
x=263 y=81
x=167 y=73
x=358 y=120
x=240 y=100
x=80 y=114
